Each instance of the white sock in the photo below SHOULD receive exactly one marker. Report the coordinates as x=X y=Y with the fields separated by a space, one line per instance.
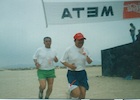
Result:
x=73 y=98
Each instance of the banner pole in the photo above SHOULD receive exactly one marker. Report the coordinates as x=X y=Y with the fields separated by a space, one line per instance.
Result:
x=44 y=13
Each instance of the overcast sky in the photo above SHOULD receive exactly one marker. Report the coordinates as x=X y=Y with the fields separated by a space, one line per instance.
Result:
x=22 y=29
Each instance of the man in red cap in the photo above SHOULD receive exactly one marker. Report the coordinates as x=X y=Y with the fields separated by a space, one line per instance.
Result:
x=75 y=58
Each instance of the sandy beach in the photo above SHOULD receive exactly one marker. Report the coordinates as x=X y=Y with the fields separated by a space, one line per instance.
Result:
x=23 y=84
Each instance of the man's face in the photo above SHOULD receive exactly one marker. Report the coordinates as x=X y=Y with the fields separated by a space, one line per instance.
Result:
x=47 y=42
x=79 y=43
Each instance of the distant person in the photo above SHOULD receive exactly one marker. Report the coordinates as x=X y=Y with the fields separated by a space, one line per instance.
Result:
x=43 y=59
x=132 y=31
x=136 y=47
x=138 y=36
x=75 y=58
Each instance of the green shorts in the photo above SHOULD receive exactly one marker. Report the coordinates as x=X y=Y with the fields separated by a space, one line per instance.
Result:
x=45 y=74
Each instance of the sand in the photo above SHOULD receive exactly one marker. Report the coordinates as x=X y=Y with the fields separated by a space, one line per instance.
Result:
x=23 y=84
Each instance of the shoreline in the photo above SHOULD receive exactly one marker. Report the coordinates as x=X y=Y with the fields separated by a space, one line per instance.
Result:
x=32 y=68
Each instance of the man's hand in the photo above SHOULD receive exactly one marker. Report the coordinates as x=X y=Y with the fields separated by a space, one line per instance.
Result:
x=55 y=59
x=72 y=66
x=37 y=65
x=82 y=52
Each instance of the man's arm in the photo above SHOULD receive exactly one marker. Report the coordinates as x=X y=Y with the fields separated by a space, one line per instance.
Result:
x=36 y=64
x=72 y=66
x=88 y=59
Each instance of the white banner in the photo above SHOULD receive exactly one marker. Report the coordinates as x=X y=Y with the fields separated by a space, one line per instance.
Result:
x=83 y=12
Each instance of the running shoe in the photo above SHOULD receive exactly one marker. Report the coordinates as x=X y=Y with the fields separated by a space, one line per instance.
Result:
x=46 y=98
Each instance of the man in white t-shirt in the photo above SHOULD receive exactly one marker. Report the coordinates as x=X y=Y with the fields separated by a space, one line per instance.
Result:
x=43 y=59
x=75 y=58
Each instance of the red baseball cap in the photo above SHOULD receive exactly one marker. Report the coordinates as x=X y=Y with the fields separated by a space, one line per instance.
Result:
x=79 y=36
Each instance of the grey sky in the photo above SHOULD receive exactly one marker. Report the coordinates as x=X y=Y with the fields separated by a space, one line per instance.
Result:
x=23 y=28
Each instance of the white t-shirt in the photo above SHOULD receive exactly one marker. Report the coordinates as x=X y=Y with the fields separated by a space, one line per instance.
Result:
x=74 y=55
x=45 y=58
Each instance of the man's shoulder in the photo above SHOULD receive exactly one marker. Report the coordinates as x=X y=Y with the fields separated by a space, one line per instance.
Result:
x=70 y=47
x=53 y=50
x=40 y=48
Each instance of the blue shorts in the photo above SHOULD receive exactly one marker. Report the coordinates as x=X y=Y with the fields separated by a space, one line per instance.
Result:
x=78 y=78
